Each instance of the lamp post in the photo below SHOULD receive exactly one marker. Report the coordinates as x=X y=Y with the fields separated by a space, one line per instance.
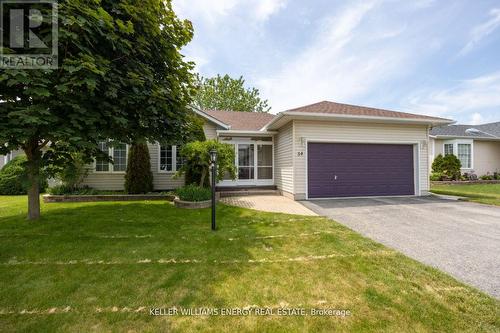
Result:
x=213 y=164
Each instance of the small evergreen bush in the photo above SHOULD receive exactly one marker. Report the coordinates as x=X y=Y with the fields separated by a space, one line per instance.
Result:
x=14 y=177
x=449 y=167
x=194 y=193
x=138 y=177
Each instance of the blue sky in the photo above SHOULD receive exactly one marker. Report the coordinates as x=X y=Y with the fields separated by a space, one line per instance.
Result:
x=433 y=57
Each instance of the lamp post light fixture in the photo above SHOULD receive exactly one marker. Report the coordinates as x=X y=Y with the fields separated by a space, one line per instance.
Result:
x=213 y=164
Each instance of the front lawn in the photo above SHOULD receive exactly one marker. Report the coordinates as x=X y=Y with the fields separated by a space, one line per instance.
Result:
x=102 y=266
x=483 y=193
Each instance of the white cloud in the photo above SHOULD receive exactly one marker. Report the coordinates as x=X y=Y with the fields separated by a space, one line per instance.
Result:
x=476 y=119
x=466 y=99
x=345 y=61
x=266 y=8
x=214 y=11
x=481 y=31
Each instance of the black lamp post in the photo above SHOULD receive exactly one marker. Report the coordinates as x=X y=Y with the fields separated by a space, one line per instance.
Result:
x=213 y=164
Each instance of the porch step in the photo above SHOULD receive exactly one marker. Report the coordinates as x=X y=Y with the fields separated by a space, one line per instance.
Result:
x=237 y=193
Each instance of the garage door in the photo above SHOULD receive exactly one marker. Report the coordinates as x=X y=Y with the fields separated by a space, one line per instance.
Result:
x=353 y=170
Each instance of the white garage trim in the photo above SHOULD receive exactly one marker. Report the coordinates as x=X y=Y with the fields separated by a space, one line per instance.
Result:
x=416 y=163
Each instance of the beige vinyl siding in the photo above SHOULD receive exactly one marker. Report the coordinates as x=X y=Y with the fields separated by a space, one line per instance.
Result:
x=486 y=157
x=356 y=132
x=283 y=156
x=116 y=181
x=210 y=130
x=162 y=180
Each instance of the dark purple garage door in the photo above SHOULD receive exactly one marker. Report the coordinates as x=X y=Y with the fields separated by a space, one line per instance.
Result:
x=354 y=170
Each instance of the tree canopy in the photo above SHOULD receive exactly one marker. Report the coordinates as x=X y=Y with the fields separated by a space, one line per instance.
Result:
x=121 y=76
x=226 y=93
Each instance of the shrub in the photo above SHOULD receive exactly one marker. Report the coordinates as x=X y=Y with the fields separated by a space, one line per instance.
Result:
x=437 y=164
x=14 y=177
x=197 y=161
x=193 y=193
x=449 y=166
x=74 y=171
x=496 y=175
x=471 y=175
x=66 y=190
x=138 y=177
x=436 y=176
x=487 y=176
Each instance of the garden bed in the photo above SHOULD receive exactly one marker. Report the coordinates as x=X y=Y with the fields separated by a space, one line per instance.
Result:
x=48 y=198
x=464 y=182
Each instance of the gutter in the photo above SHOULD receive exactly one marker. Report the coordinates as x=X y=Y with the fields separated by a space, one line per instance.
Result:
x=243 y=132
x=358 y=118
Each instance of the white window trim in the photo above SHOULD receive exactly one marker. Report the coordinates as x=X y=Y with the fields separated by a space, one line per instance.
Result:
x=174 y=160
x=455 y=144
x=111 y=167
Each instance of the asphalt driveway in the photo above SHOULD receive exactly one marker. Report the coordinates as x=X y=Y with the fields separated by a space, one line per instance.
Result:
x=460 y=238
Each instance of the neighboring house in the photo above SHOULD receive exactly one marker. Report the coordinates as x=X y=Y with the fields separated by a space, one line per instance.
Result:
x=321 y=150
x=476 y=146
x=4 y=159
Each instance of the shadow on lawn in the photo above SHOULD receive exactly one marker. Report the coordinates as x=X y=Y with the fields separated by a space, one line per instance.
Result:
x=155 y=255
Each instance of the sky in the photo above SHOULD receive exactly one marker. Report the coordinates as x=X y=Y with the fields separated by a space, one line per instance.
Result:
x=434 y=57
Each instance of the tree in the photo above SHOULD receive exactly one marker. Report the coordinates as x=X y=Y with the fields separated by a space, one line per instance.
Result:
x=121 y=77
x=226 y=93
x=138 y=177
x=197 y=160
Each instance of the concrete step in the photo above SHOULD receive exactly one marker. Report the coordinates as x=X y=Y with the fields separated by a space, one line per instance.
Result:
x=248 y=192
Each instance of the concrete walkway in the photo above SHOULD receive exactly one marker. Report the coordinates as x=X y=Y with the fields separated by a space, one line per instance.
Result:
x=269 y=203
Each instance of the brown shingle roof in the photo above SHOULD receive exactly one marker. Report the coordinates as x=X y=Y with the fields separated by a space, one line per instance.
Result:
x=354 y=110
x=244 y=121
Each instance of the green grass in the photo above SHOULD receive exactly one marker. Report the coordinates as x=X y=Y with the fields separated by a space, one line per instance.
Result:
x=94 y=264
x=484 y=193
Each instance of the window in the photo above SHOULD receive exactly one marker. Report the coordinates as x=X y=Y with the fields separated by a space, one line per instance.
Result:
x=448 y=149
x=102 y=163
x=264 y=162
x=170 y=158
x=120 y=157
x=119 y=154
x=166 y=158
x=464 y=155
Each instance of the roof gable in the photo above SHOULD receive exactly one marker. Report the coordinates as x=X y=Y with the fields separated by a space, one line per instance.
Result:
x=244 y=121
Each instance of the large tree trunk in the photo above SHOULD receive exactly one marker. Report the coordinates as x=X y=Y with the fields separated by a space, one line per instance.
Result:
x=34 y=156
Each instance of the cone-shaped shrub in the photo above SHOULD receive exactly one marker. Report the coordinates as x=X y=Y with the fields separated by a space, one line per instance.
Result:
x=138 y=178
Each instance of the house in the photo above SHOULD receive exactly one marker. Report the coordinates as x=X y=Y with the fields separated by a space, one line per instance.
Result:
x=476 y=146
x=320 y=150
